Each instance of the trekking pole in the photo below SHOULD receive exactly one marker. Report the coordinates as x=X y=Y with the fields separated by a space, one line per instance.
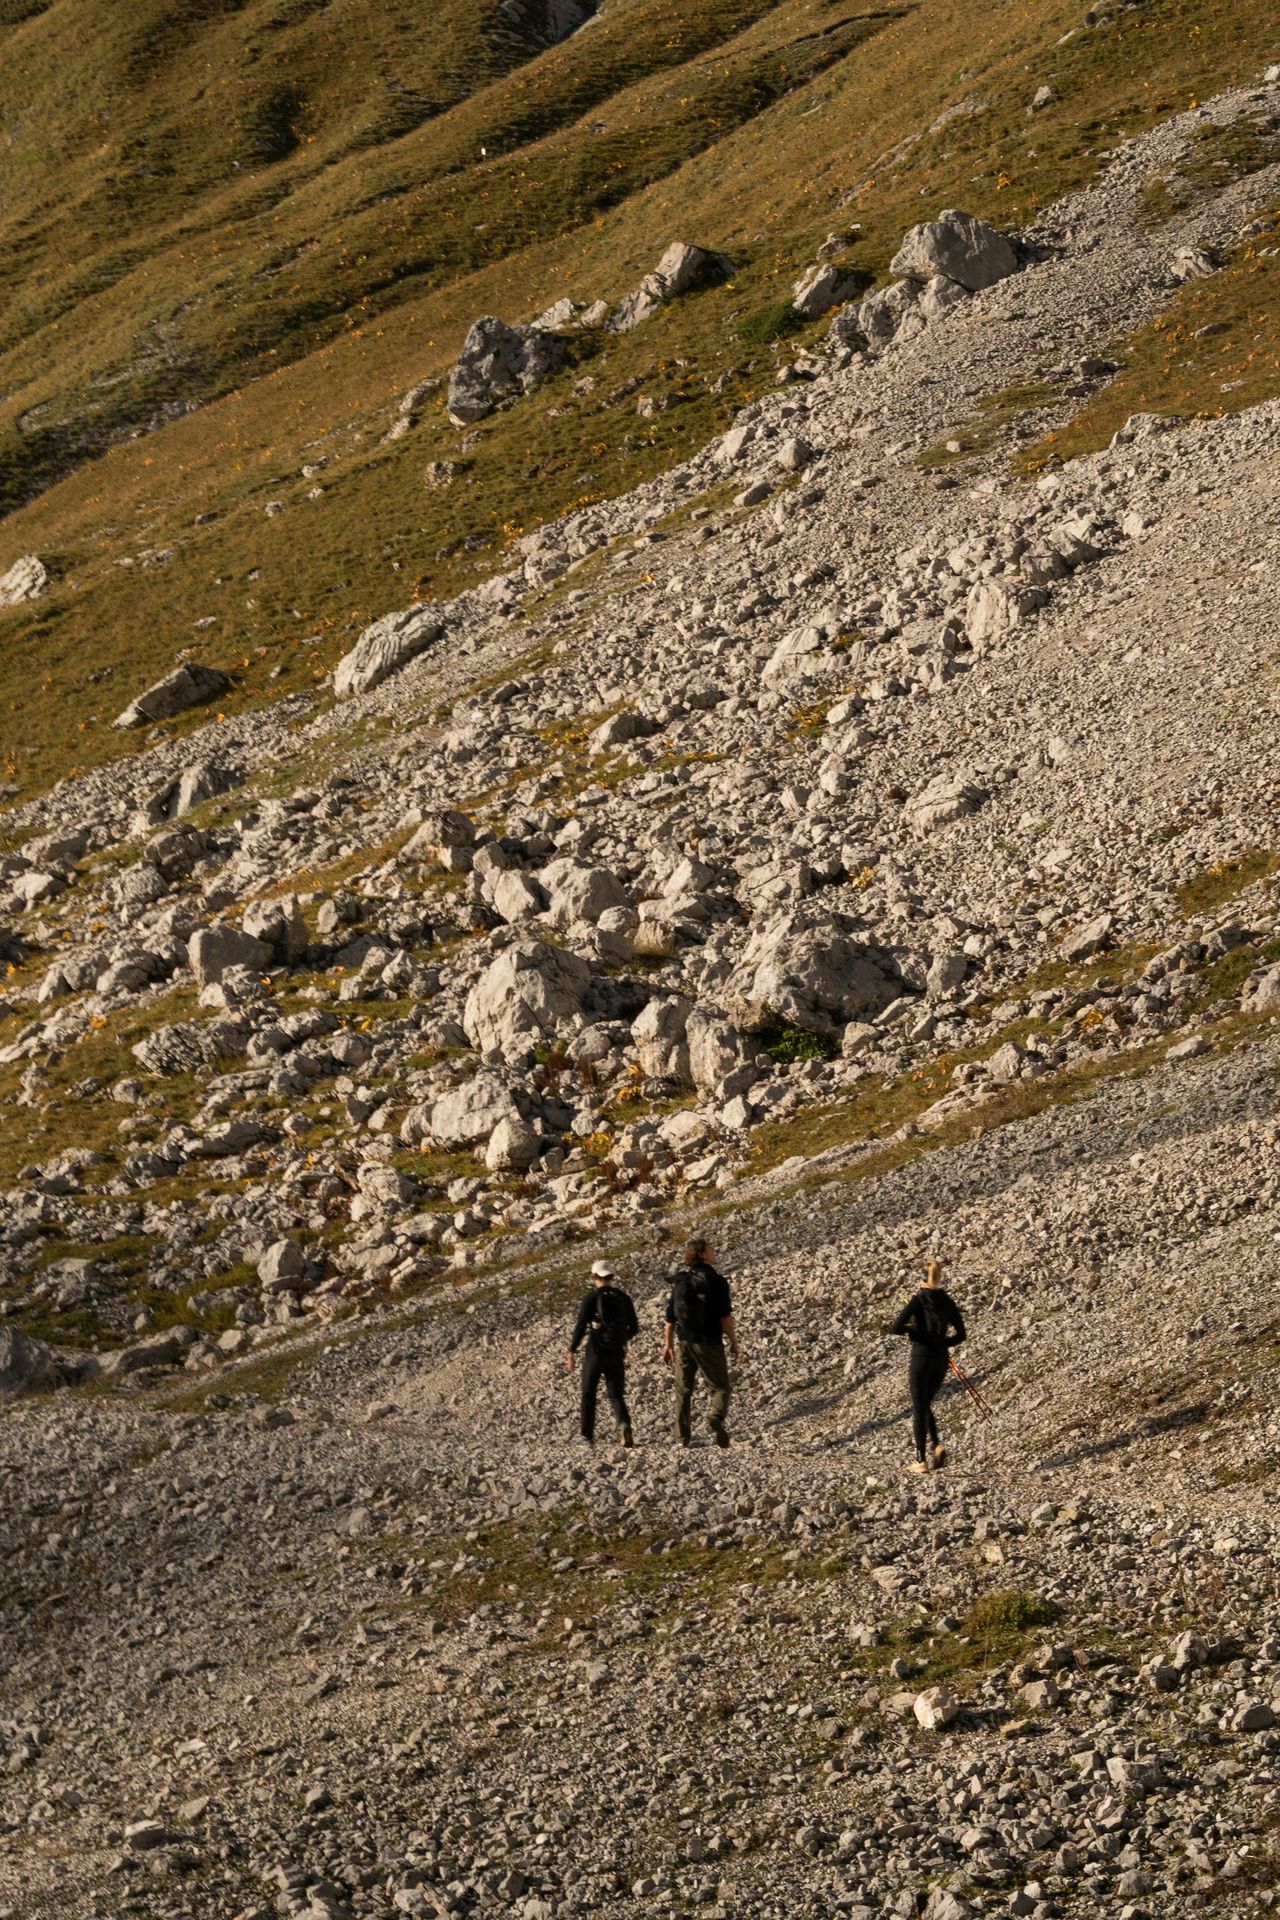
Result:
x=970 y=1389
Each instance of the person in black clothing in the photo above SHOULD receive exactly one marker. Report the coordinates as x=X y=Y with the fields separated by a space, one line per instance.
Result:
x=606 y=1321
x=699 y=1322
x=934 y=1324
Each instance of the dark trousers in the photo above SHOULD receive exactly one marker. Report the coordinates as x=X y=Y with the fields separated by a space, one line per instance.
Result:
x=705 y=1357
x=612 y=1369
x=927 y=1371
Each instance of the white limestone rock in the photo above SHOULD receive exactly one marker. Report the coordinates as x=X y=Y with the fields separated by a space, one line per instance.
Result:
x=386 y=646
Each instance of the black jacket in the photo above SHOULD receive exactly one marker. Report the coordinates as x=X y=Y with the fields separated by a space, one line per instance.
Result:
x=914 y=1321
x=591 y=1316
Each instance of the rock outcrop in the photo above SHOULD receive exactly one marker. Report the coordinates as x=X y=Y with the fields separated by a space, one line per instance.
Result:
x=939 y=264
x=959 y=247
x=682 y=269
x=385 y=647
x=529 y=994
x=190 y=685
x=497 y=364
x=815 y=976
x=26 y=1365
x=26 y=579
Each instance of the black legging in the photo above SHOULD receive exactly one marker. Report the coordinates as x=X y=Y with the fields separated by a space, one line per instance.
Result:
x=927 y=1371
x=612 y=1369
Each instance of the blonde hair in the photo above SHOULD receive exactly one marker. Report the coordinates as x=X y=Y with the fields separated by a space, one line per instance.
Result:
x=933 y=1272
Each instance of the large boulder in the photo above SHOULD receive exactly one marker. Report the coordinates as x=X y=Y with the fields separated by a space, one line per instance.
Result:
x=936 y=1707
x=820 y=288
x=498 y=363
x=948 y=797
x=997 y=605
x=682 y=269
x=385 y=647
x=445 y=839
x=175 y=853
x=36 y=887
x=189 y=685
x=282 y=1268
x=202 y=780
x=815 y=976
x=618 y=729
x=513 y=1146
x=26 y=580
x=577 y=892
x=61 y=848
x=383 y=1190
x=472 y=1111
x=280 y=924
x=1091 y=939
x=190 y=1046
x=881 y=314
x=958 y=246
x=658 y=1034
x=1264 y=996
x=514 y=895
x=615 y=936
x=803 y=653
x=163 y=1349
x=528 y=994
x=213 y=950
x=721 y=1059
x=937 y=296
x=26 y=1365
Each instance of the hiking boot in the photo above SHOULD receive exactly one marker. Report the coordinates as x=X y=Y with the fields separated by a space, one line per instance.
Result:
x=720 y=1436
x=628 y=1438
x=919 y=1466
x=939 y=1455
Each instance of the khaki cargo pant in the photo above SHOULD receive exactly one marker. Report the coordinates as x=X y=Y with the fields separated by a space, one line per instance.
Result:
x=705 y=1357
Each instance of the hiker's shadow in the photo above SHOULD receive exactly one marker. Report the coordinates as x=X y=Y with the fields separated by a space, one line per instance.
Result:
x=880 y=1423
x=816 y=1404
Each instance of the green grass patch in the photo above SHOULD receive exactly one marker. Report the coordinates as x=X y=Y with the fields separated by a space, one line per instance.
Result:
x=1213 y=888
x=1073 y=976
x=525 y=1561
x=996 y=1630
x=995 y=414
x=1223 y=978
x=1216 y=158
x=775 y=320
x=1215 y=351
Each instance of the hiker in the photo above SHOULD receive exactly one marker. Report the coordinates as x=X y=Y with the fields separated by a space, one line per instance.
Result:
x=934 y=1324
x=606 y=1321
x=699 y=1322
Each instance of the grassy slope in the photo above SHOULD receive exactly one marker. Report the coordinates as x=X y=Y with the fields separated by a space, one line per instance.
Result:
x=754 y=127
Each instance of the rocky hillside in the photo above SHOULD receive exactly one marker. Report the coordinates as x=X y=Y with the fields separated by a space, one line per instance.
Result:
x=854 y=840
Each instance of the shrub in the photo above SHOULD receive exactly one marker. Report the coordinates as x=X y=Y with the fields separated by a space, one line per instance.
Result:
x=1012 y=1611
x=786 y=1044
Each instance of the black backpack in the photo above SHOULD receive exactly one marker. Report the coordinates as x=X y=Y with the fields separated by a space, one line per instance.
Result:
x=609 y=1329
x=932 y=1318
x=691 y=1304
